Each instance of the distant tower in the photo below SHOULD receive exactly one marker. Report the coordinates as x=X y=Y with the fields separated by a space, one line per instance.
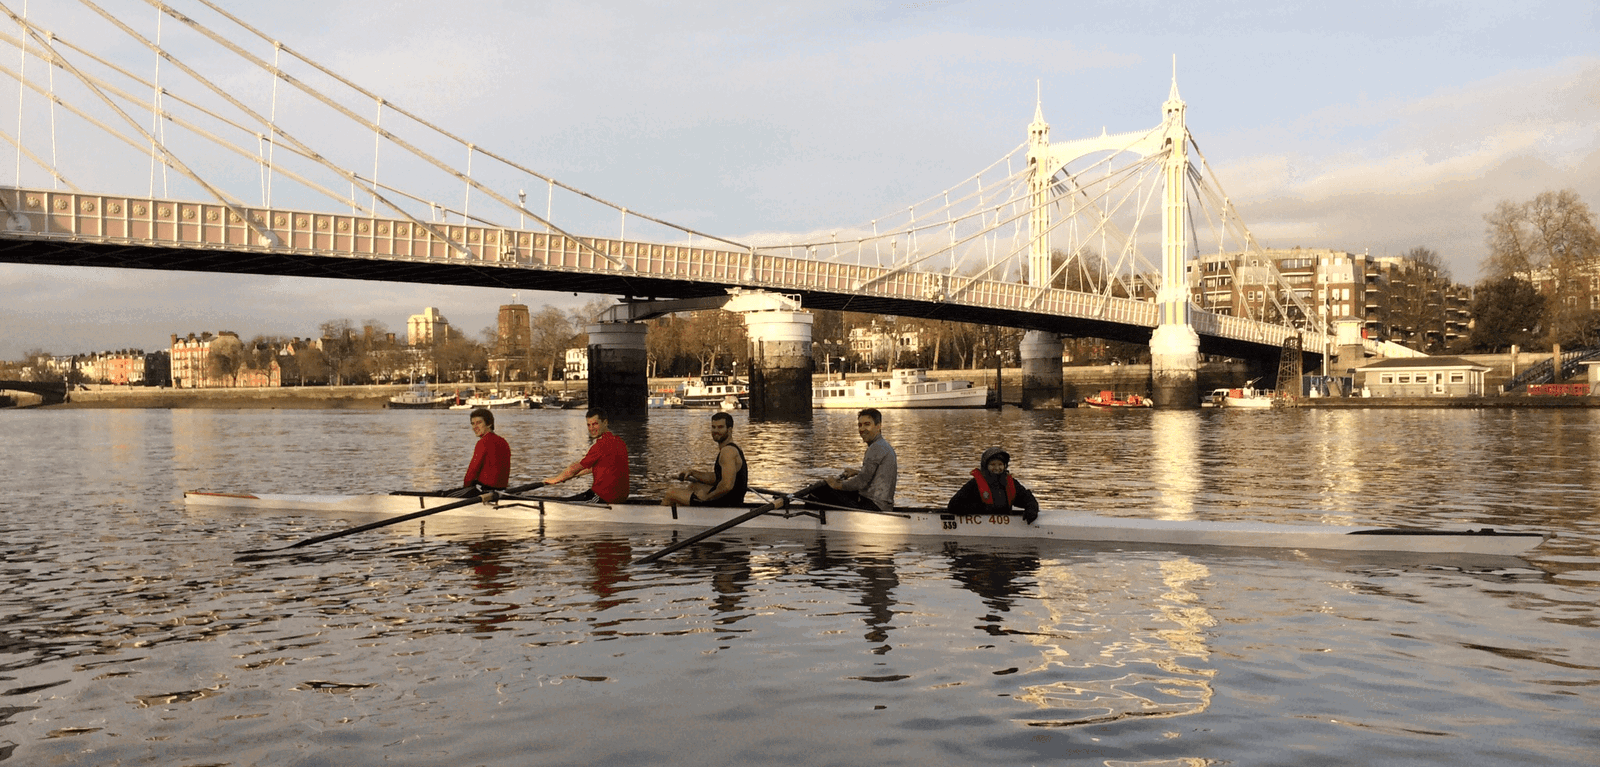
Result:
x=516 y=334
x=1174 y=346
x=1039 y=196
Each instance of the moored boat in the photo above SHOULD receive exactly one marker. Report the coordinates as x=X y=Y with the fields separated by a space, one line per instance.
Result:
x=714 y=390
x=1111 y=399
x=500 y=399
x=1052 y=524
x=1254 y=399
x=420 y=397
x=904 y=388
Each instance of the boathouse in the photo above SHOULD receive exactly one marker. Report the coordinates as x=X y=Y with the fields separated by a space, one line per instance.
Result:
x=1423 y=377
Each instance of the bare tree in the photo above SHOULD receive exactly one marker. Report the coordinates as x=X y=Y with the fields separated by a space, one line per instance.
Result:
x=225 y=357
x=1417 y=300
x=338 y=348
x=1552 y=242
x=551 y=336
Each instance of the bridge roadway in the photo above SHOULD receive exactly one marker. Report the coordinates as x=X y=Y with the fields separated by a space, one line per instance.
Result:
x=77 y=229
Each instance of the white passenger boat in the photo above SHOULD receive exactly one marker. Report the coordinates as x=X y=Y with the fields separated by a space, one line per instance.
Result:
x=716 y=390
x=904 y=388
x=503 y=400
x=1052 y=524
x=419 y=397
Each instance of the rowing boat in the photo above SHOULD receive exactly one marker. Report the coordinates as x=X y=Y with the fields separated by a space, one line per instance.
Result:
x=1052 y=524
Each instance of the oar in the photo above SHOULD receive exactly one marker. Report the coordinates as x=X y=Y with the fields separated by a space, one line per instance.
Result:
x=739 y=520
x=258 y=554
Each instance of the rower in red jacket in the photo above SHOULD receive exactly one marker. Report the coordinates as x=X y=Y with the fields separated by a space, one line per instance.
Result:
x=992 y=489
x=490 y=468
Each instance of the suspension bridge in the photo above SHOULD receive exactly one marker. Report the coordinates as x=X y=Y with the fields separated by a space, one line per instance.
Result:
x=1089 y=237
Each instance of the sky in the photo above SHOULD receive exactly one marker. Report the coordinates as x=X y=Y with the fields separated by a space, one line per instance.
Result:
x=1373 y=127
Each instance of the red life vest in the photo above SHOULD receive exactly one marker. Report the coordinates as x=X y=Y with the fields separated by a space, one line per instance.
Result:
x=988 y=492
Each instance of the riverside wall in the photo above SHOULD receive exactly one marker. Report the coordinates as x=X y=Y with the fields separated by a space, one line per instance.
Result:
x=297 y=397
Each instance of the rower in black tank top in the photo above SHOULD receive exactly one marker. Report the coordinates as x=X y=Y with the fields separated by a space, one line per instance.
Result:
x=741 y=483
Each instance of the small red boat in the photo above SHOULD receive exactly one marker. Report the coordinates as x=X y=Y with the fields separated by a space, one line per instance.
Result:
x=1113 y=399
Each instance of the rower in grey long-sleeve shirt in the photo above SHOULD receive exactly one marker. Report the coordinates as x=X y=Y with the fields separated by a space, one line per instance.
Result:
x=879 y=473
x=872 y=486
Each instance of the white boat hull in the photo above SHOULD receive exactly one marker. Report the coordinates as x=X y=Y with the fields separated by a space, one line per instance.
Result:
x=1051 y=525
x=905 y=388
x=975 y=397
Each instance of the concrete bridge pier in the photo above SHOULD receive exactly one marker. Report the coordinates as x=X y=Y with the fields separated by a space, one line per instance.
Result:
x=1175 y=367
x=617 y=369
x=780 y=364
x=1041 y=370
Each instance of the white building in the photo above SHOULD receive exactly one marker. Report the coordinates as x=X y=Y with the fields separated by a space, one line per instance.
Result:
x=425 y=328
x=577 y=364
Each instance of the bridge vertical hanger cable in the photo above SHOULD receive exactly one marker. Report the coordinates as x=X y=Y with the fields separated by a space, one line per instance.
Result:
x=141 y=143
x=272 y=121
x=157 y=128
x=466 y=194
x=177 y=163
x=324 y=99
x=55 y=160
x=246 y=110
x=426 y=124
x=377 y=142
x=22 y=69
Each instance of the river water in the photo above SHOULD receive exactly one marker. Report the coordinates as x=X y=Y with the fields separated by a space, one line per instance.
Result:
x=129 y=634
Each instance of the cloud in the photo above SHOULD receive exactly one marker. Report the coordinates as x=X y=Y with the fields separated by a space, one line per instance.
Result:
x=1427 y=169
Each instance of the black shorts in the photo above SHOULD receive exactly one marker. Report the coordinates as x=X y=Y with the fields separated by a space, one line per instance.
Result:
x=723 y=501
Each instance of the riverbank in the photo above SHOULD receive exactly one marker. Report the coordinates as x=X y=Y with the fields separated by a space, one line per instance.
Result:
x=1502 y=402
x=1078 y=382
x=295 y=397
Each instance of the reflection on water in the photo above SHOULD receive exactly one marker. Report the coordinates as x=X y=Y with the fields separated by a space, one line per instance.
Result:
x=130 y=635
x=1174 y=436
x=1144 y=670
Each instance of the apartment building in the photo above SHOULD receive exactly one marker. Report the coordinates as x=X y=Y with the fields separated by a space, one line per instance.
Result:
x=1395 y=298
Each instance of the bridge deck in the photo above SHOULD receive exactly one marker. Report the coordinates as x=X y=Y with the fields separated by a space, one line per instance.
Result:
x=64 y=228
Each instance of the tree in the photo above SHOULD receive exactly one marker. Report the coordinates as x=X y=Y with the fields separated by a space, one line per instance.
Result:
x=338 y=348
x=1550 y=241
x=1416 y=292
x=311 y=366
x=664 y=345
x=713 y=336
x=1505 y=311
x=225 y=357
x=551 y=336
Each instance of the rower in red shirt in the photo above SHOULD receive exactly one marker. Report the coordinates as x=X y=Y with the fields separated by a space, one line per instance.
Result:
x=607 y=460
x=490 y=468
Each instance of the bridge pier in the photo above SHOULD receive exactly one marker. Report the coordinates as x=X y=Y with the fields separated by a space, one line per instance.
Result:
x=1041 y=370
x=1175 y=367
x=780 y=364
x=617 y=369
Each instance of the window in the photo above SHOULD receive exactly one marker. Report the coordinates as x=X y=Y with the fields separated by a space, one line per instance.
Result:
x=1458 y=378
x=1387 y=378
x=1405 y=379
